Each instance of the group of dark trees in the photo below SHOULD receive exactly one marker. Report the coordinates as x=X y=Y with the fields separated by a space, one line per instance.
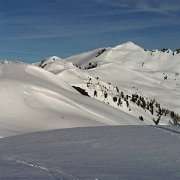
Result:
x=78 y=66
x=154 y=107
x=146 y=104
x=166 y=77
x=82 y=91
x=89 y=66
x=100 y=52
x=42 y=64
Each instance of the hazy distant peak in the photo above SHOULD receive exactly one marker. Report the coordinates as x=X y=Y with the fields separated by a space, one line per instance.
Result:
x=9 y=62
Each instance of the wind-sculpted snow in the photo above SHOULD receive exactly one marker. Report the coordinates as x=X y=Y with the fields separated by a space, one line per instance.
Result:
x=103 y=153
x=33 y=99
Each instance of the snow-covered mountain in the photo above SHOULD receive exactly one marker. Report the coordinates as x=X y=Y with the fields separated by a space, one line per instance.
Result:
x=142 y=83
x=124 y=85
x=33 y=99
x=133 y=86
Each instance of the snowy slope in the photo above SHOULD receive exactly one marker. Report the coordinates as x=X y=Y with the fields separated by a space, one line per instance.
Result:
x=127 y=68
x=132 y=56
x=154 y=74
x=103 y=153
x=33 y=99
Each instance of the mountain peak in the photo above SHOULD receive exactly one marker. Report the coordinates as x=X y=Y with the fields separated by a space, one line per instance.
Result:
x=127 y=45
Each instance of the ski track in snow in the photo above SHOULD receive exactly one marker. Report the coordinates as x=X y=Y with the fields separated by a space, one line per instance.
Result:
x=172 y=131
x=55 y=173
x=148 y=152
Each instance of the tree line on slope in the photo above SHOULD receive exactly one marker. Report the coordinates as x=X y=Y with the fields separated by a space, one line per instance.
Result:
x=120 y=99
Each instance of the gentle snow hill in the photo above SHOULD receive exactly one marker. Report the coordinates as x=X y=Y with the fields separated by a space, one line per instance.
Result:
x=33 y=99
x=103 y=153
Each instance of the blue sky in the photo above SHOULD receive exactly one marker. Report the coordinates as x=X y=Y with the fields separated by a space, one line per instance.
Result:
x=31 y=30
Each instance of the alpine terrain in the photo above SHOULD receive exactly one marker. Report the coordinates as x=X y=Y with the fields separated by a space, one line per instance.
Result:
x=142 y=83
x=106 y=114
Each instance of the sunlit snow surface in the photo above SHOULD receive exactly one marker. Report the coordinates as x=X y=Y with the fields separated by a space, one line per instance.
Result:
x=130 y=67
x=103 y=153
x=134 y=70
x=33 y=99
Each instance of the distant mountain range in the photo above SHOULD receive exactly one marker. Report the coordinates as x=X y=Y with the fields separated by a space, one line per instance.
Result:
x=123 y=85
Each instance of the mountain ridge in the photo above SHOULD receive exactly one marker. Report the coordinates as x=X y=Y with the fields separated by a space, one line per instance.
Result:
x=130 y=69
x=131 y=83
